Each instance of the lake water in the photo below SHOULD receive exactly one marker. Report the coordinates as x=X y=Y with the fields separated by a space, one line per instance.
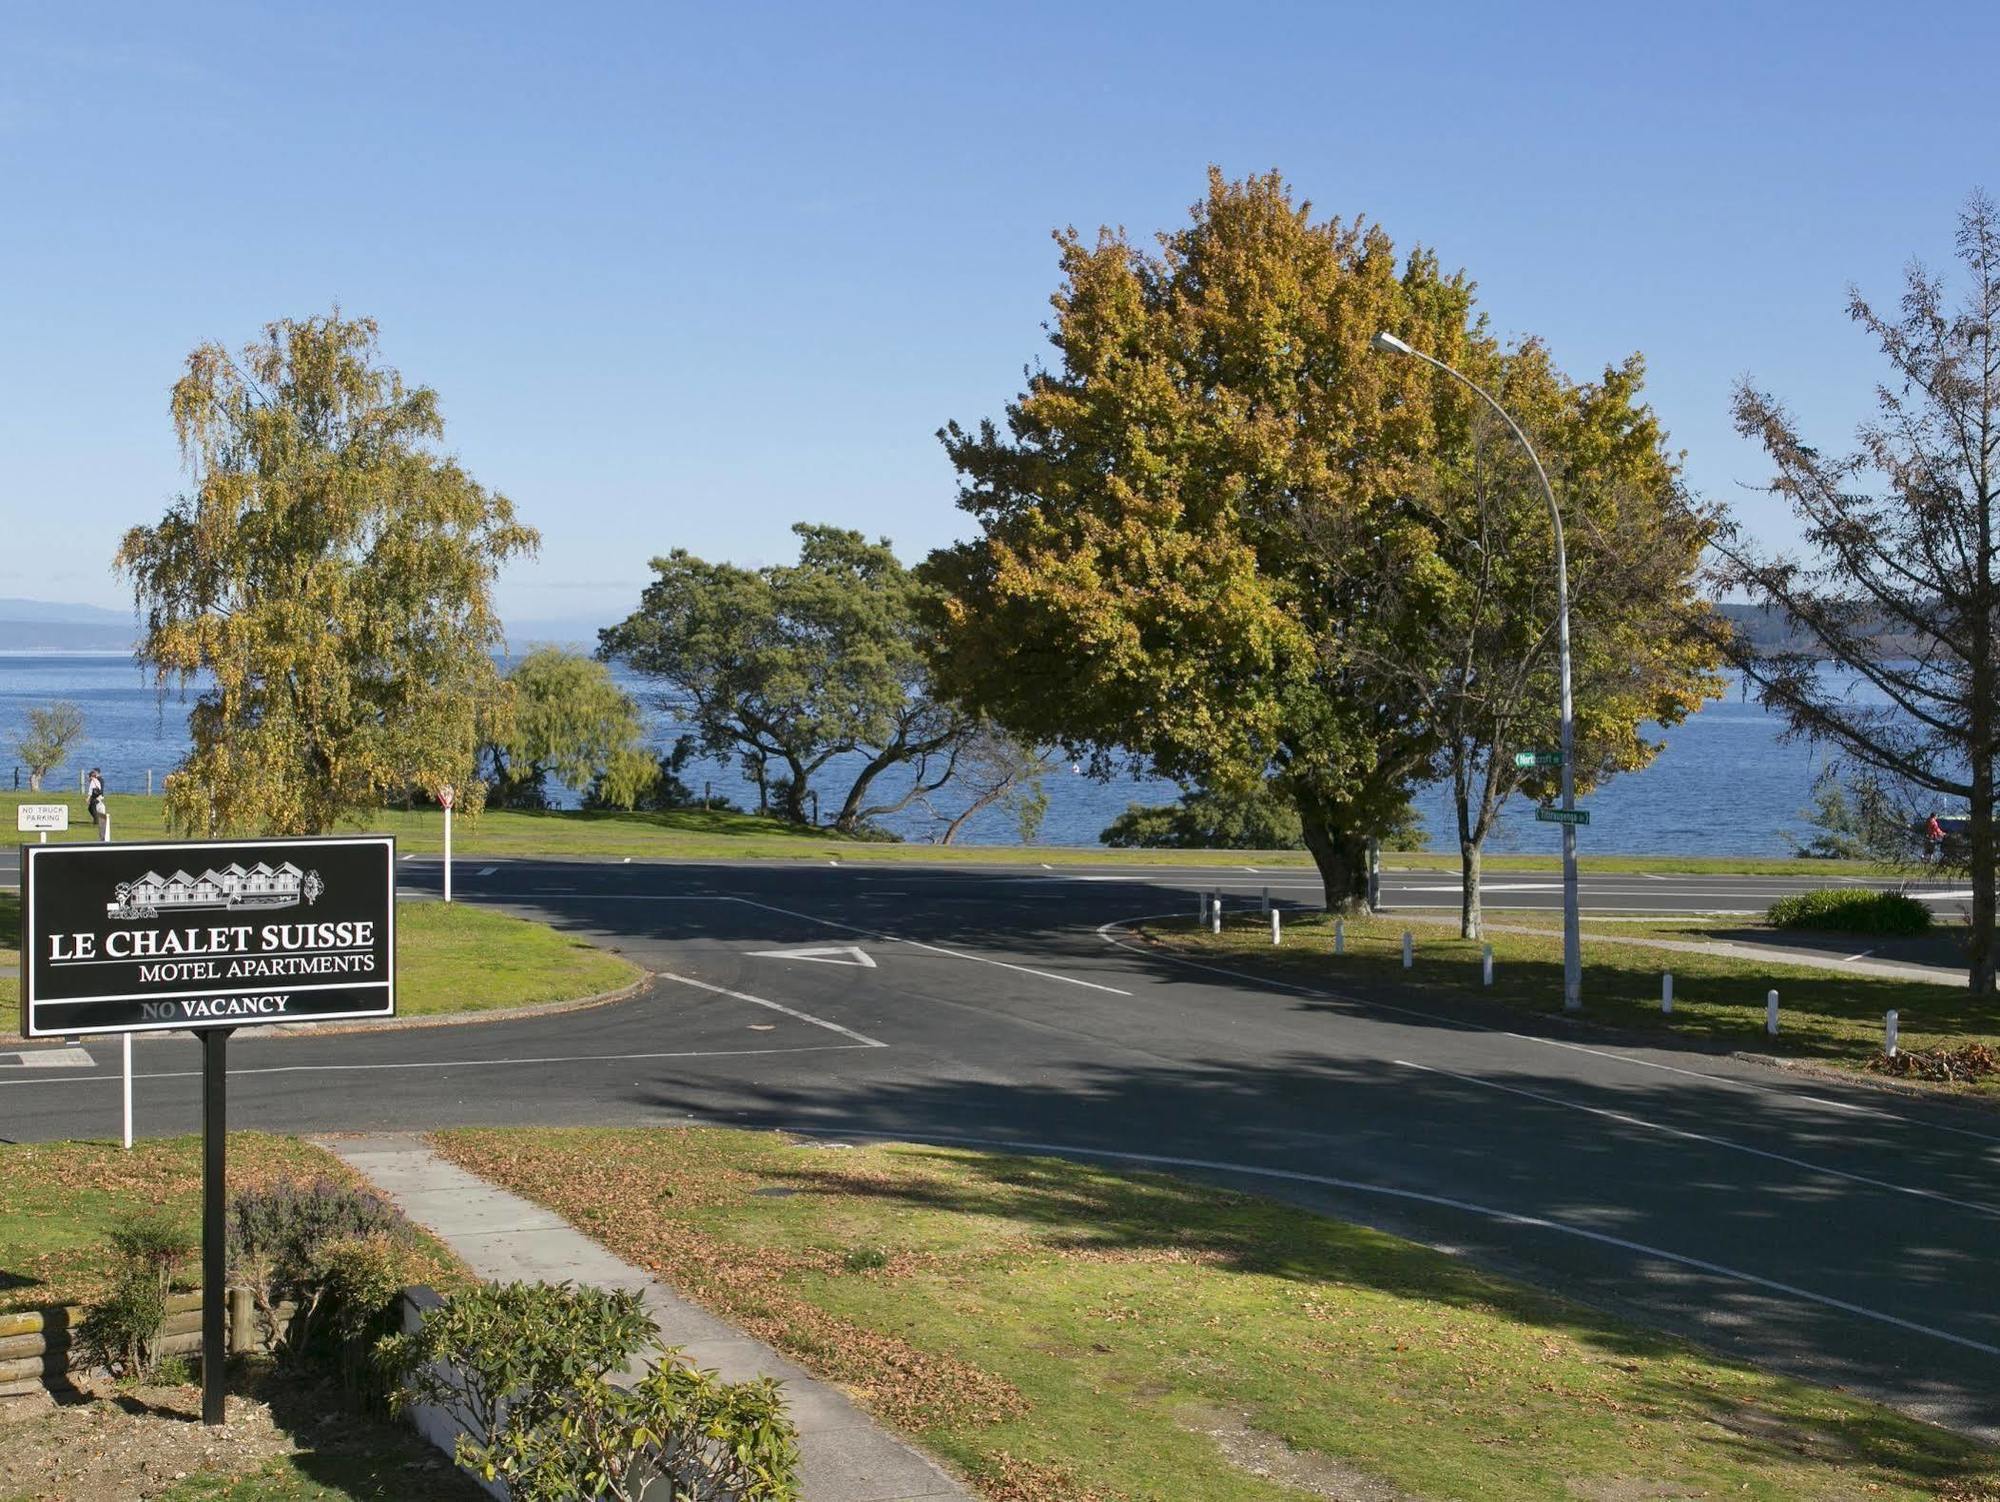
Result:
x=1724 y=785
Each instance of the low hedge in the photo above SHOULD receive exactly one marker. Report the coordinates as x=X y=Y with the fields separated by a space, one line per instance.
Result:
x=1851 y=910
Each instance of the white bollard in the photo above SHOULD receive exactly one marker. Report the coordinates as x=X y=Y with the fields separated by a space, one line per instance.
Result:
x=1274 y=927
x=1406 y=949
x=1771 y=1013
x=1889 y=1032
x=1215 y=917
x=1340 y=936
x=1486 y=966
x=126 y=1038
x=1667 y=994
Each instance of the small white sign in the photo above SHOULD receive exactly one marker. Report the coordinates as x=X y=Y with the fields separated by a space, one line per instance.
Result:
x=49 y=817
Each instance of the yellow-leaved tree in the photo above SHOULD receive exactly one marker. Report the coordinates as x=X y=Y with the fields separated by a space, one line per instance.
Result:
x=331 y=569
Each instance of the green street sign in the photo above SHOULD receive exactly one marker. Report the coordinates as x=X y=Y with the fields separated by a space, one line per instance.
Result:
x=1538 y=758
x=1562 y=816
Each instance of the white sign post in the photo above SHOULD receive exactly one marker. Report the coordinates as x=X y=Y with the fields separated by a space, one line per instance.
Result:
x=42 y=817
x=444 y=797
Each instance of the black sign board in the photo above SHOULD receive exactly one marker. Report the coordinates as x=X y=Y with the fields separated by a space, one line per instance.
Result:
x=206 y=934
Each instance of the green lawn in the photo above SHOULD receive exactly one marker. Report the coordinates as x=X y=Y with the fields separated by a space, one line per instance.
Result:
x=691 y=834
x=1066 y=1333
x=453 y=958
x=1828 y=1015
x=58 y=1200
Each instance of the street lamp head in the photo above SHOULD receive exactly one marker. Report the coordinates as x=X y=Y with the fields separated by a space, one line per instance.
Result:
x=1389 y=344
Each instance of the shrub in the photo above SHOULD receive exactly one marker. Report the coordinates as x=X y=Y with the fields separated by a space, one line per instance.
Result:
x=524 y=1365
x=1852 y=910
x=280 y=1240
x=122 y=1330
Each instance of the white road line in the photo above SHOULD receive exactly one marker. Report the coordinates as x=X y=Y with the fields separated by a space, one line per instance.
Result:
x=1508 y=1217
x=775 y=1006
x=487 y=870
x=1722 y=1142
x=112 y=1078
x=1731 y=1081
x=957 y=954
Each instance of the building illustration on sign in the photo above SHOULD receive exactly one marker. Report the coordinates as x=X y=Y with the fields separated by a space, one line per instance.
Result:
x=232 y=887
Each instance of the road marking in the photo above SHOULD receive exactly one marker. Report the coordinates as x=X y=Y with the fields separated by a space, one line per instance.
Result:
x=1490 y=886
x=1861 y=956
x=1509 y=1217
x=775 y=1006
x=49 y=1058
x=112 y=1078
x=957 y=954
x=487 y=870
x=837 y=954
x=1965 y=896
x=1687 y=1136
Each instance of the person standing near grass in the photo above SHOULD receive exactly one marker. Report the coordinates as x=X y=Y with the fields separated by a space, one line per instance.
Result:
x=93 y=802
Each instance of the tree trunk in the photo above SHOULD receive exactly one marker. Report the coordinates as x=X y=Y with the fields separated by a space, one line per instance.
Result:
x=1341 y=855
x=34 y=780
x=1980 y=829
x=1471 y=920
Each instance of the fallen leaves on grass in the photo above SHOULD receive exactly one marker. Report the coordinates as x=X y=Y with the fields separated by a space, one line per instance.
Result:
x=912 y=1388
x=1012 y=1479
x=1962 y=1065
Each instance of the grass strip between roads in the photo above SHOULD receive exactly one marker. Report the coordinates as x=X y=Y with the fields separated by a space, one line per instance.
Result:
x=1067 y=1333
x=449 y=959
x=1825 y=1015
x=696 y=834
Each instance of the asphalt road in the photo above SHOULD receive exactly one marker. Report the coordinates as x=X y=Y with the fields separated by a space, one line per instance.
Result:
x=1821 y=1228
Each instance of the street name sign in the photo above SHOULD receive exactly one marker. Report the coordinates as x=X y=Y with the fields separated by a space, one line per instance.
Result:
x=206 y=934
x=1562 y=816
x=48 y=818
x=1538 y=758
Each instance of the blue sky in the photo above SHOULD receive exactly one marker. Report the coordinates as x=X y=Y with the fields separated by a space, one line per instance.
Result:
x=686 y=274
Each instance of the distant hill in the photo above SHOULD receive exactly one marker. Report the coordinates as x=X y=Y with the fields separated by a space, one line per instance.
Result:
x=1772 y=630
x=54 y=626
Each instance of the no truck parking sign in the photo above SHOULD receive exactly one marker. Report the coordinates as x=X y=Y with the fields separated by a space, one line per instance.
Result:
x=204 y=934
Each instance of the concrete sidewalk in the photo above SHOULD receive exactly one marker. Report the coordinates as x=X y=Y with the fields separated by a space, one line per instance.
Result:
x=846 y=1457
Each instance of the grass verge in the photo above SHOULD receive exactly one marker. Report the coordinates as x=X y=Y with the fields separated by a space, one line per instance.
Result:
x=1065 y=1333
x=58 y=1201
x=695 y=834
x=455 y=958
x=1826 y=1015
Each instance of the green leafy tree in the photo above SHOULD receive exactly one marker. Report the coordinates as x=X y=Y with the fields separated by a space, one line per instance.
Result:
x=1474 y=644
x=45 y=740
x=993 y=770
x=1184 y=524
x=331 y=569
x=794 y=665
x=1898 y=578
x=1264 y=818
x=570 y=722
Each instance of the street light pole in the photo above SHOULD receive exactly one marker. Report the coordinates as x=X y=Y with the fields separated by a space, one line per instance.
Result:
x=1389 y=344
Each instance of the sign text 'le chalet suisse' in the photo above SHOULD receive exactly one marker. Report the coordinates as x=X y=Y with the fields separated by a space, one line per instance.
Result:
x=206 y=933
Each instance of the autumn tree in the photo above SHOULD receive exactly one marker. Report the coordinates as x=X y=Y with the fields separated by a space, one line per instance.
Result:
x=1474 y=644
x=1193 y=539
x=569 y=722
x=45 y=739
x=330 y=567
x=1900 y=540
x=795 y=668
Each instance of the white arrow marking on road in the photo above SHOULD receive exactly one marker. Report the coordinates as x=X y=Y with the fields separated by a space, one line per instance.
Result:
x=838 y=954
x=49 y=1058
x=488 y=870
